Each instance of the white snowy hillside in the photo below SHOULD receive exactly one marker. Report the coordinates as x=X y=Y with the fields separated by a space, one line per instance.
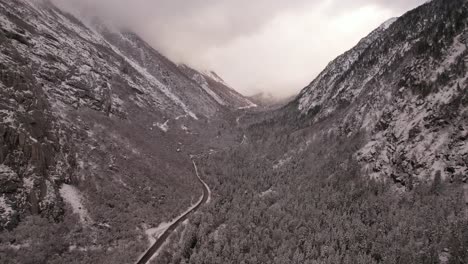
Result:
x=405 y=86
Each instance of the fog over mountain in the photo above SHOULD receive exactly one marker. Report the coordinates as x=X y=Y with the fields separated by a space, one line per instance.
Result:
x=118 y=145
x=237 y=38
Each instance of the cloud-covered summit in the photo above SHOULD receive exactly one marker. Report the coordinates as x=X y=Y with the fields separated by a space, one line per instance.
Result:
x=276 y=46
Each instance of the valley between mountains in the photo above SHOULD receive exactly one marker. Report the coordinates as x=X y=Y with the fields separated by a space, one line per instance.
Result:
x=106 y=147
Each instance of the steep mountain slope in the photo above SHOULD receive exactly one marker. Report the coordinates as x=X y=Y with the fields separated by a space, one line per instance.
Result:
x=217 y=88
x=96 y=128
x=405 y=87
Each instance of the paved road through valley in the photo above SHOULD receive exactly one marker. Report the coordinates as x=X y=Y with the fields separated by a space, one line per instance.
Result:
x=163 y=238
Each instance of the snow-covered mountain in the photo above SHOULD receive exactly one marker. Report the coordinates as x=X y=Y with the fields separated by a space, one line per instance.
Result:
x=405 y=87
x=97 y=130
x=94 y=118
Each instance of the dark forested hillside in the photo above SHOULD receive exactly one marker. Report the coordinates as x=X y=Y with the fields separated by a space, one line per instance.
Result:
x=319 y=209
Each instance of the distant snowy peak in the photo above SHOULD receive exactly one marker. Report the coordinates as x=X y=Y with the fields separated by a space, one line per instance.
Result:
x=217 y=88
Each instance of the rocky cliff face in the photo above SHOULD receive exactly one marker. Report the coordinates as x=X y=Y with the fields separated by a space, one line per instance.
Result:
x=34 y=155
x=405 y=86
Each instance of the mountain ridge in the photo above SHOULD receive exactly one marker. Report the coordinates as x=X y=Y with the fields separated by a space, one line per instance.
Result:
x=415 y=65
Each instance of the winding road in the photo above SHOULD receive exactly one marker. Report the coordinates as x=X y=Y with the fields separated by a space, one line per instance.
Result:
x=163 y=238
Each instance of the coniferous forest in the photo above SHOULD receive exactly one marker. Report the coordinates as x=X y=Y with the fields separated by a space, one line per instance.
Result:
x=319 y=209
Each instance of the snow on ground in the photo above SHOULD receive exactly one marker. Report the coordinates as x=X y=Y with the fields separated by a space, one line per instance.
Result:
x=154 y=233
x=371 y=118
x=238 y=120
x=251 y=105
x=456 y=50
x=182 y=235
x=7 y=172
x=214 y=76
x=8 y=117
x=204 y=84
x=244 y=139
x=72 y=196
x=155 y=82
x=185 y=129
x=267 y=192
x=406 y=122
x=280 y=163
x=164 y=127
x=438 y=166
x=5 y=209
x=443 y=97
x=181 y=116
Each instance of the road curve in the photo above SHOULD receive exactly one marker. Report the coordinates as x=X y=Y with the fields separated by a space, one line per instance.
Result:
x=162 y=239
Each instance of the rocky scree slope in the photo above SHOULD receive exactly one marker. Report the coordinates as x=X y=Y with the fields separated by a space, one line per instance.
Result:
x=95 y=120
x=405 y=87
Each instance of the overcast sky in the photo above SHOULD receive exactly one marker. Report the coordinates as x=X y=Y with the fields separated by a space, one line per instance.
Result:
x=273 y=46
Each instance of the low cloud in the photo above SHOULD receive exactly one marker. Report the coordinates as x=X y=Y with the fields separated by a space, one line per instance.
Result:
x=273 y=46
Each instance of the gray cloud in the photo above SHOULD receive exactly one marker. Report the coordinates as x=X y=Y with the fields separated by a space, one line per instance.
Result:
x=213 y=22
x=237 y=37
x=394 y=5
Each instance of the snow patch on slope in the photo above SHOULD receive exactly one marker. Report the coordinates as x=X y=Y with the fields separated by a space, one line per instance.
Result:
x=204 y=84
x=72 y=196
x=154 y=233
x=251 y=105
x=6 y=211
x=8 y=117
x=214 y=76
x=155 y=82
x=164 y=126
